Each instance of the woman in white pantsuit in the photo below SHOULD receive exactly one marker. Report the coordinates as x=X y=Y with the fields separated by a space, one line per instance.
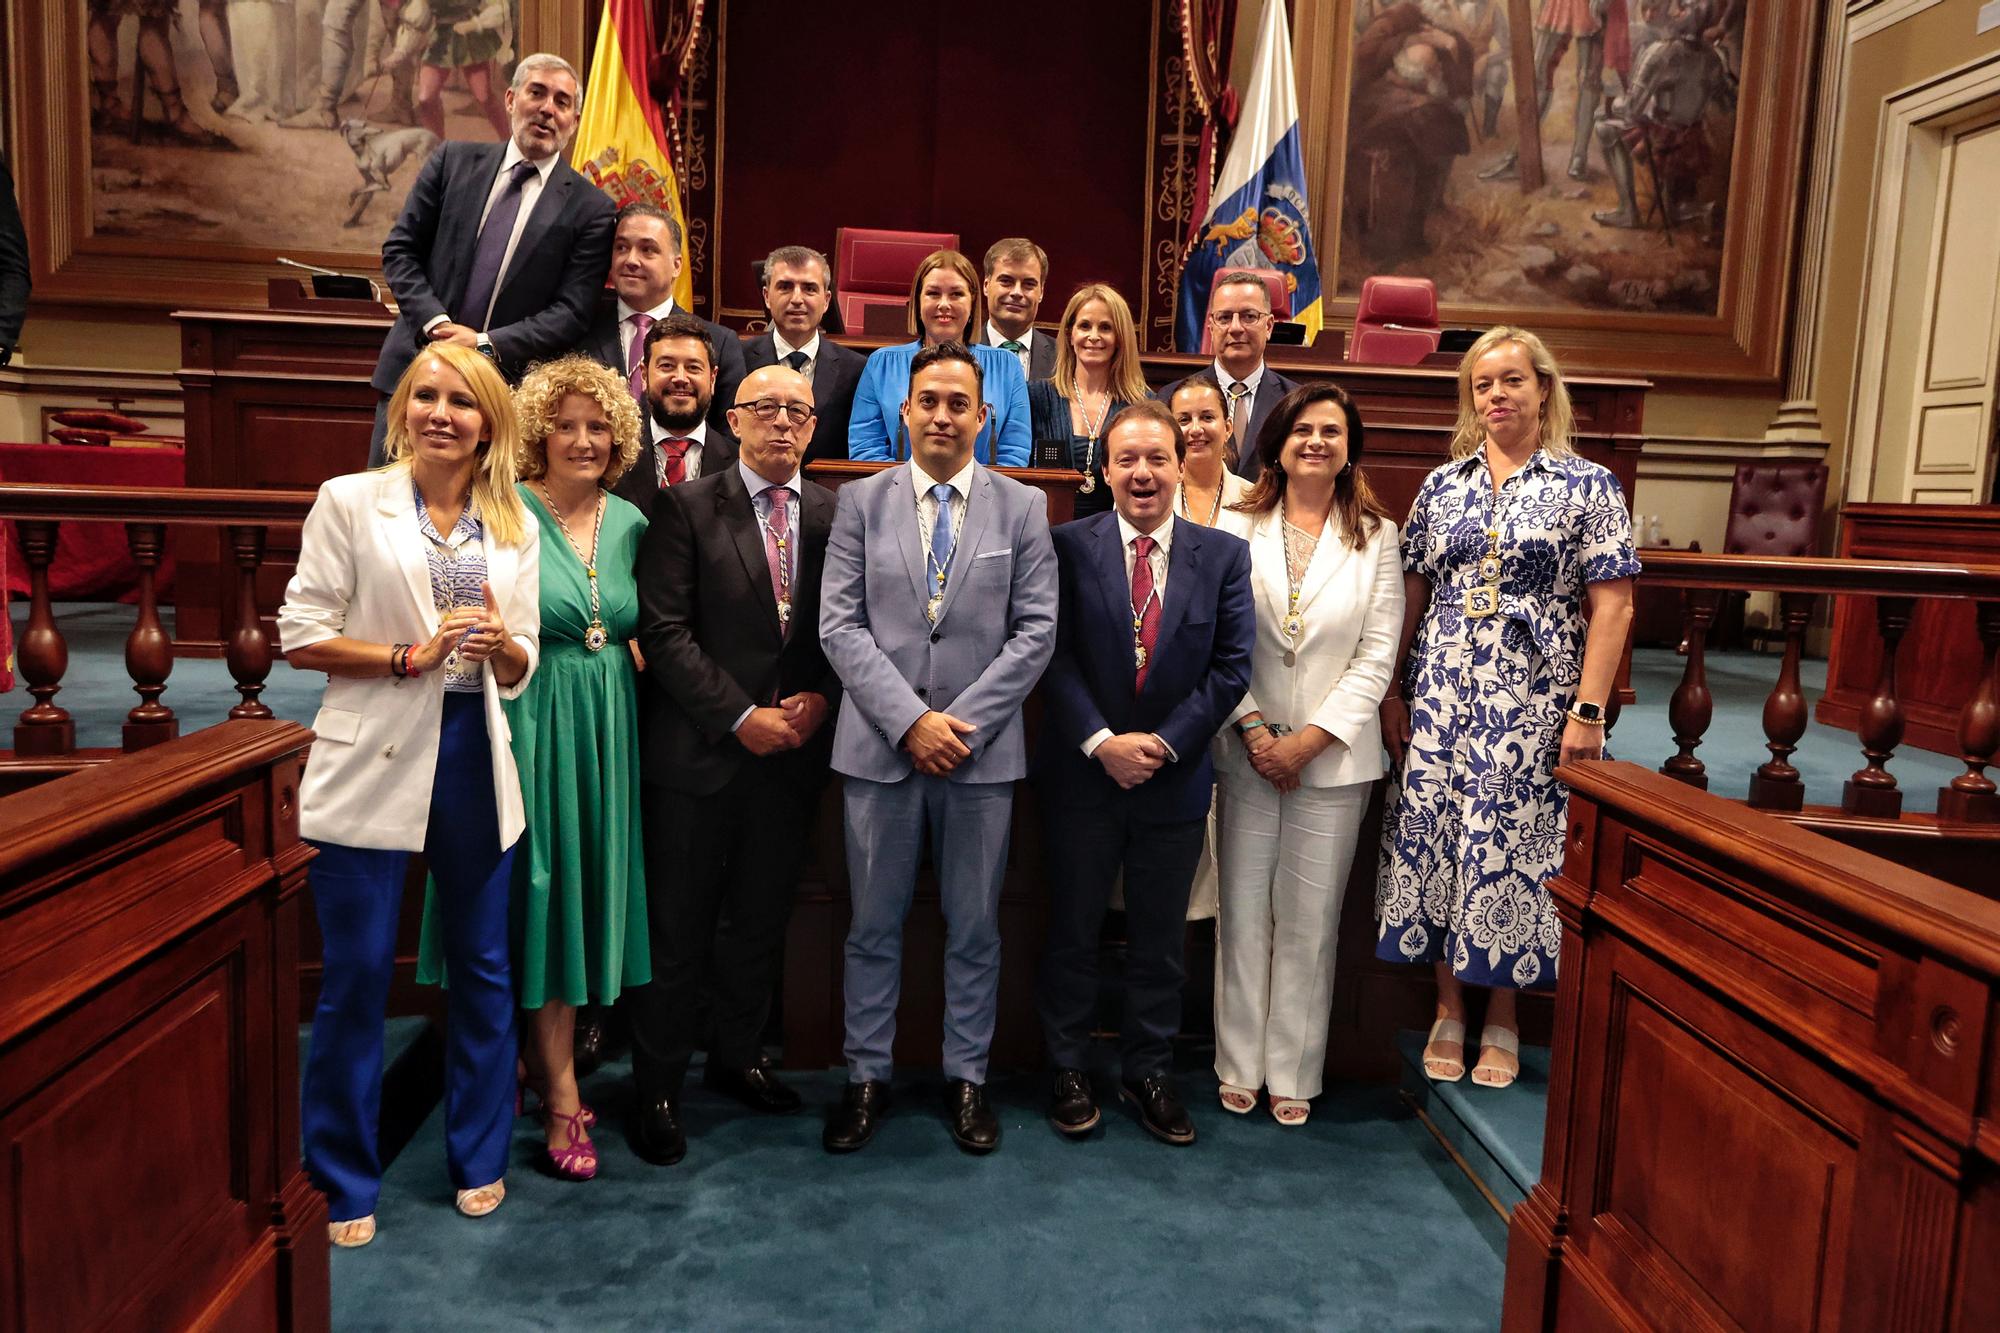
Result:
x=1295 y=765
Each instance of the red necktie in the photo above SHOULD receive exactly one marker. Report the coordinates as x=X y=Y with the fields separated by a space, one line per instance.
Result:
x=675 y=452
x=1145 y=610
x=635 y=364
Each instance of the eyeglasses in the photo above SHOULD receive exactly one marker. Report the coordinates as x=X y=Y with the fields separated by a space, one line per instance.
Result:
x=767 y=409
x=1222 y=319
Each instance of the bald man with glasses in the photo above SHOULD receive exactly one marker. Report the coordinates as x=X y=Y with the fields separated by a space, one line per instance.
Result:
x=735 y=750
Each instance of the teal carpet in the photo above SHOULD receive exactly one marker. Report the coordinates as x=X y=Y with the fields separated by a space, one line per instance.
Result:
x=1346 y=1223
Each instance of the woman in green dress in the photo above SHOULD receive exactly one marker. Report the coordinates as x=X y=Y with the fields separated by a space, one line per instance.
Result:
x=579 y=897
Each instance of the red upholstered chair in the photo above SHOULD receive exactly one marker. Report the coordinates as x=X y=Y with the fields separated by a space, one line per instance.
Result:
x=874 y=268
x=1281 y=303
x=1396 y=323
x=1774 y=509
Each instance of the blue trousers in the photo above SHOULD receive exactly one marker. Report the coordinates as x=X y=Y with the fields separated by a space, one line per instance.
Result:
x=357 y=893
x=969 y=824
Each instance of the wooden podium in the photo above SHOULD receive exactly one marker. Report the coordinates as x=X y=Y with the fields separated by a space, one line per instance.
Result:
x=276 y=399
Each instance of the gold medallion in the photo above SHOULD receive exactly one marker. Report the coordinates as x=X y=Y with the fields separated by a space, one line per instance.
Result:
x=933 y=607
x=1294 y=625
x=1139 y=655
x=1481 y=602
x=595 y=637
x=1489 y=568
x=1089 y=483
x=784 y=610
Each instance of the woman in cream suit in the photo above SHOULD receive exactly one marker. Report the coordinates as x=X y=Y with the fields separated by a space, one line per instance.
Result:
x=1295 y=766
x=416 y=593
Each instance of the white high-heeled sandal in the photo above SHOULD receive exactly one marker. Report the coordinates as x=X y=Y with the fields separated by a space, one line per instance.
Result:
x=1491 y=1074
x=1235 y=1100
x=483 y=1200
x=1443 y=1068
x=353 y=1233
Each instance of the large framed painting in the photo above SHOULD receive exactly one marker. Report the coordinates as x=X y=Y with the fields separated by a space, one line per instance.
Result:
x=168 y=151
x=1667 y=136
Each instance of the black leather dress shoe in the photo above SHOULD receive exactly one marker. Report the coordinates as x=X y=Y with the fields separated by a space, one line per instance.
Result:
x=853 y=1122
x=1160 y=1109
x=756 y=1087
x=1072 y=1107
x=974 y=1127
x=590 y=1040
x=657 y=1135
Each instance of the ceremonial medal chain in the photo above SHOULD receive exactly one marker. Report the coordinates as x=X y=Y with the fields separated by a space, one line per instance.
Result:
x=594 y=636
x=781 y=540
x=1090 y=432
x=1483 y=599
x=1296 y=564
x=1139 y=620
x=934 y=607
x=1214 y=510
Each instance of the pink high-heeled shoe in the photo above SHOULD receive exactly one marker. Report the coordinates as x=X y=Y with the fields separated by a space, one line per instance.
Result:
x=579 y=1160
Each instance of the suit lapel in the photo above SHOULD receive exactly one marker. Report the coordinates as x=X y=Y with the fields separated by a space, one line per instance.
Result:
x=738 y=516
x=1328 y=557
x=396 y=519
x=1112 y=583
x=902 y=513
x=977 y=508
x=549 y=206
x=1183 y=569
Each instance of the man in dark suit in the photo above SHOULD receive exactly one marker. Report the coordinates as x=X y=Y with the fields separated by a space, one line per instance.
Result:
x=798 y=283
x=499 y=246
x=645 y=262
x=1239 y=312
x=735 y=751
x=682 y=444
x=1152 y=653
x=1017 y=278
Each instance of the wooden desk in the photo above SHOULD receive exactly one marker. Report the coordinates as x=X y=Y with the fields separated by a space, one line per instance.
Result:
x=275 y=400
x=1939 y=664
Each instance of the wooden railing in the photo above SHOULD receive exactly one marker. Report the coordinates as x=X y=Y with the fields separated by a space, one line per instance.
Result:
x=45 y=730
x=1896 y=585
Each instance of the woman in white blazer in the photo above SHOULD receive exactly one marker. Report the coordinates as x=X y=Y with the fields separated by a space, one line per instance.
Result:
x=1295 y=765
x=417 y=594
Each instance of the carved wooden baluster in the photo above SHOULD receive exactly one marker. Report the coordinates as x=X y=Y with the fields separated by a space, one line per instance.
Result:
x=1872 y=790
x=1971 y=794
x=1775 y=785
x=45 y=727
x=149 y=653
x=1692 y=706
x=249 y=649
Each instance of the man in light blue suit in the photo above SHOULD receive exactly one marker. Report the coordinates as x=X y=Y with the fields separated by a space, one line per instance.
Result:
x=938 y=612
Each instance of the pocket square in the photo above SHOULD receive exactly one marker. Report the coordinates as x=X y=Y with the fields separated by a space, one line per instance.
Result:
x=990 y=555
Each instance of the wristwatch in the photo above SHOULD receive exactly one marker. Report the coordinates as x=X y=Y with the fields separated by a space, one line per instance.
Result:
x=1584 y=712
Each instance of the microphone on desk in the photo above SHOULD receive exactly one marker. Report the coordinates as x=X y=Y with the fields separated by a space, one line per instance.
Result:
x=333 y=283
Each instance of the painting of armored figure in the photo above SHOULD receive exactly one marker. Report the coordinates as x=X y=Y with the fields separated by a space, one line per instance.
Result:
x=290 y=125
x=1635 y=117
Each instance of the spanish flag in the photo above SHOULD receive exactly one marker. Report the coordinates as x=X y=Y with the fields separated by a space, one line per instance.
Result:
x=621 y=138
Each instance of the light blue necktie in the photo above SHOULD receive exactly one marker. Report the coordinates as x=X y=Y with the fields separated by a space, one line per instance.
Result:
x=941 y=532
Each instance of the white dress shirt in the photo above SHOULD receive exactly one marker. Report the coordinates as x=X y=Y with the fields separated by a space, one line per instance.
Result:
x=785 y=349
x=690 y=461
x=1252 y=380
x=1163 y=543
x=625 y=329
x=922 y=481
x=1027 y=340
x=756 y=485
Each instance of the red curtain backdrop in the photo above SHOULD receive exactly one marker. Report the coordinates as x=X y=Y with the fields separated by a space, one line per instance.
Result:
x=1028 y=120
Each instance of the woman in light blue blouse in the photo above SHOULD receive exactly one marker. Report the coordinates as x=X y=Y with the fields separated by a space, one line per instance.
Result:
x=944 y=303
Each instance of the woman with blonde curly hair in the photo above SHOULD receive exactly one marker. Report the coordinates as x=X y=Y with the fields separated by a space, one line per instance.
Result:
x=1517 y=575
x=579 y=899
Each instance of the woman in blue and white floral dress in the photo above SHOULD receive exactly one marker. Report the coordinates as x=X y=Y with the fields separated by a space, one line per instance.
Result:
x=1507 y=548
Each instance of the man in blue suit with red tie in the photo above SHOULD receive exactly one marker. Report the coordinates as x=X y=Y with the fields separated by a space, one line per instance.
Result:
x=1152 y=652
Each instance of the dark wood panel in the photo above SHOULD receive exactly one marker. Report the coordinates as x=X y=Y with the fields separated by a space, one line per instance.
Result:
x=149 y=1138
x=1773 y=1082
x=1940 y=661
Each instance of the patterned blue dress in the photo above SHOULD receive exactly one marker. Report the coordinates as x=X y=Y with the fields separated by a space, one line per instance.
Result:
x=1475 y=827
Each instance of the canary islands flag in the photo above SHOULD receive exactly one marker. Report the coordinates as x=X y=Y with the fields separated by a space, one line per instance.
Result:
x=621 y=138
x=1259 y=217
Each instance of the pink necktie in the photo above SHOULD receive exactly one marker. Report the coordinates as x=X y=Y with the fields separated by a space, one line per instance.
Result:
x=777 y=547
x=1145 y=609
x=635 y=368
